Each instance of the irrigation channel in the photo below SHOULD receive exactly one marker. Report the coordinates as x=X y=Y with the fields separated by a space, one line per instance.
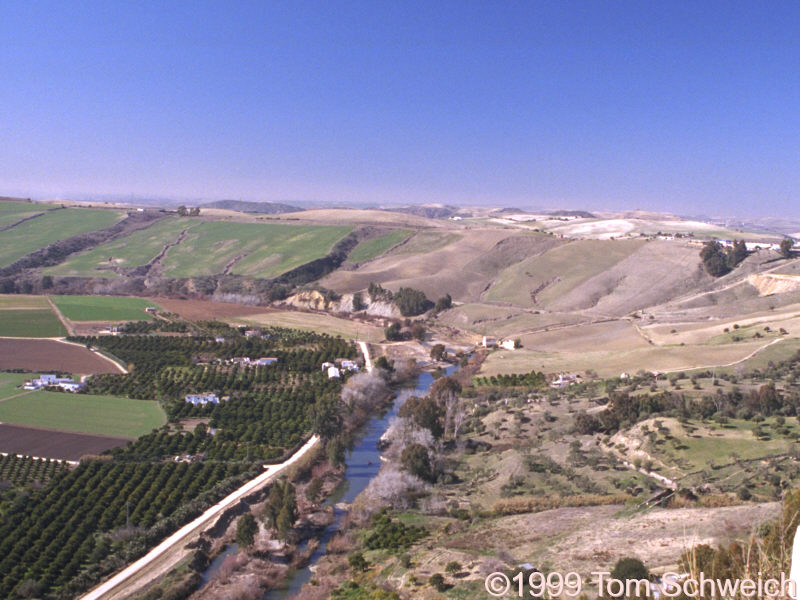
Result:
x=362 y=464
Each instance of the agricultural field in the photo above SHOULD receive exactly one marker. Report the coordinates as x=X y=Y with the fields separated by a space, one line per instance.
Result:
x=137 y=249
x=608 y=362
x=14 y=212
x=104 y=308
x=61 y=445
x=22 y=301
x=53 y=226
x=45 y=355
x=30 y=323
x=258 y=250
x=369 y=249
x=20 y=471
x=81 y=413
x=321 y=323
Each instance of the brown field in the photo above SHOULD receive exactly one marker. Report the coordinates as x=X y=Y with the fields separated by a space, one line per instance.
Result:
x=332 y=216
x=203 y=310
x=318 y=322
x=51 y=355
x=46 y=443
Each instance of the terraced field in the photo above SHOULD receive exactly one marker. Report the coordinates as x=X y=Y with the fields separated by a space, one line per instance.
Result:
x=53 y=226
x=135 y=250
x=103 y=308
x=258 y=250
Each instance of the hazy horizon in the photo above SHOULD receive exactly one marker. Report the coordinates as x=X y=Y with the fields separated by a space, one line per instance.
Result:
x=684 y=108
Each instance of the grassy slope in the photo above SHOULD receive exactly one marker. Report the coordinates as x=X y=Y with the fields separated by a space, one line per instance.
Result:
x=53 y=226
x=81 y=413
x=377 y=246
x=135 y=250
x=30 y=323
x=265 y=249
x=103 y=308
x=564 y=267
x=11 y=212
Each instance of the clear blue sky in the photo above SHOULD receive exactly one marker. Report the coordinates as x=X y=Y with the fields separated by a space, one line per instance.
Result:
x=691 y=107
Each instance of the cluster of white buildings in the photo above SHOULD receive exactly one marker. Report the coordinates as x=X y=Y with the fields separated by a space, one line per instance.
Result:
x=43 y=381
x=245 y=361
x=335 y=372
x=203 y=399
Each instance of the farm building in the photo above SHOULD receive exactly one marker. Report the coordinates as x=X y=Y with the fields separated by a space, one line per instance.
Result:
x=264 y=361
x=202 y=399
x=333 y=373
x=327 y=365
x=488 y=342
x=65 y=383
x=564 y=380
x=350 y=365
x=508 y=344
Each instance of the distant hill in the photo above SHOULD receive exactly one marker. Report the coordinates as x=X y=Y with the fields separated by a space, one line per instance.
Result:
x=572 y=213
x=267 y=208
x=430 y=211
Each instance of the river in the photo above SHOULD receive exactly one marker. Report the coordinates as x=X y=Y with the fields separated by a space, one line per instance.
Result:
x=362 y=464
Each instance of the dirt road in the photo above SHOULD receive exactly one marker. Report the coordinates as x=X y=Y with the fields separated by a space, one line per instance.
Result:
x=168 y=553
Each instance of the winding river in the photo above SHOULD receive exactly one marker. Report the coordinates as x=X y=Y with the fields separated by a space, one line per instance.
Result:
x=362 y=464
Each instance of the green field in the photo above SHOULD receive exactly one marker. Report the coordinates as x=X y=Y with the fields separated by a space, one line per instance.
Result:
x=135 y=250
x=375 y=247
x=51 y=227
x=106 y=415
x=258 y=250
x=11 y=212
x=30 y=323
x=428 y=241
x=9 y=383
x=103 y=308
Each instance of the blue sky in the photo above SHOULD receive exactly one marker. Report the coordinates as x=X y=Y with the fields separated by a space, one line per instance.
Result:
x=689 y=107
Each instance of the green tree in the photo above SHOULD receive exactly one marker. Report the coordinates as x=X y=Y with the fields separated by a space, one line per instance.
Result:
x=438 y=352
x=328 y=419
x=714 y=259
x=629 y=568
x=246 y=530
x=443 y=303
x=357 y=561
x=437 y=582
x=393 y=333
x=425 y=413
x=314 y=490
x=416 y=461
x=335 y=450
x=786 y=247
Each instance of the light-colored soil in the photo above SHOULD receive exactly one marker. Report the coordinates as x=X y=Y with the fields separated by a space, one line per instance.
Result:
x=319 y=322
x=202 y=310
x=441 y=264
x=591 y=538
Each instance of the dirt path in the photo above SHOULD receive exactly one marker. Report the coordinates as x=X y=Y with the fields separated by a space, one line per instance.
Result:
x=64 y=321
x=730 y=364
x=25 y=393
